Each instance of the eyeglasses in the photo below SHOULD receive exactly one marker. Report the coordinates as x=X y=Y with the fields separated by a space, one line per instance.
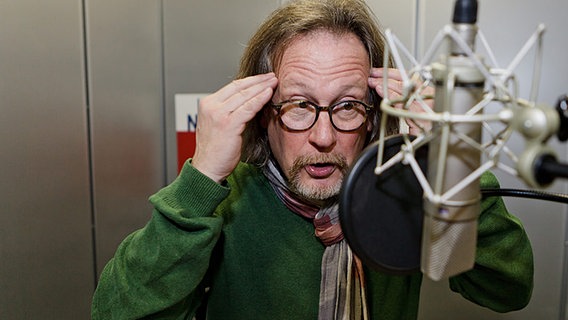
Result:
x=301 y=115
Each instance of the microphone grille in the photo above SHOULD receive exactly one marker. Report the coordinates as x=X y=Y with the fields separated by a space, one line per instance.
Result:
x=448 y=247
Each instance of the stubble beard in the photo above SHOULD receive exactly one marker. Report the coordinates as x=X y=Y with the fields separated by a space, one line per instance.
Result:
x=311 y=191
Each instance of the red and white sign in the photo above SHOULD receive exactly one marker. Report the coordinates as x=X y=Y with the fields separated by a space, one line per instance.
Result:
x=186 y=122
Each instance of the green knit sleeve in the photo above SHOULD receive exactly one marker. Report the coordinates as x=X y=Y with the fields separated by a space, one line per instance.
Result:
x=157 y=271
x=502 y=278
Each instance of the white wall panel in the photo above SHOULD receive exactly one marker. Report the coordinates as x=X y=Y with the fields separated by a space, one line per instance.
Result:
x=400 y=17
x=125 y=76
x=46 y=259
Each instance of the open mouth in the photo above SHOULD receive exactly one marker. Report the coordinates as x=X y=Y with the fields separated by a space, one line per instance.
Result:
x=320 y=170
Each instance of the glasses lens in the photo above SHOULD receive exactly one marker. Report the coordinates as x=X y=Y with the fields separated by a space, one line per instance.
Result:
x=298 y=115
x=348 y=115
x=301 y=115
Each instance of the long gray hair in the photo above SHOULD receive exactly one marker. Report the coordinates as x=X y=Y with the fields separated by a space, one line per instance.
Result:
x=298 y=17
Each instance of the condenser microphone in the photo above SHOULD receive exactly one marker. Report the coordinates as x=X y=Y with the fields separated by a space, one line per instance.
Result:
x=412 y=202
x=449 y=234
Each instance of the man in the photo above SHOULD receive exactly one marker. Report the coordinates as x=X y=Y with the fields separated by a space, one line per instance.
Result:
x=236 y=239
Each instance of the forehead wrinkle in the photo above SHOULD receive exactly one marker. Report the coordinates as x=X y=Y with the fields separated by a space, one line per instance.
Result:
x=327 y=66
x=322 y=60
x=298 y=75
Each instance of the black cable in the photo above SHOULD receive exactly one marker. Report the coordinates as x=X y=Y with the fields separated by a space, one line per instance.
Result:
x=532 y=194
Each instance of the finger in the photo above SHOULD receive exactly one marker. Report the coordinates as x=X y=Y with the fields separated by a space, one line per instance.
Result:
x=232 y=122
x=244 y=95
x=394 y=87
x=391 y=73
x=247 y=110
x=251 y=92
x=241 y=85
x=252 y=98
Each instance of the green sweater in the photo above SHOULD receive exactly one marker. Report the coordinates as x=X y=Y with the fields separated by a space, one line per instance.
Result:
x=258 y=260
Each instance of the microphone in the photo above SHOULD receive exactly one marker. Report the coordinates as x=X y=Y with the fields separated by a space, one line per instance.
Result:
x=411 y=202
x=449 y=234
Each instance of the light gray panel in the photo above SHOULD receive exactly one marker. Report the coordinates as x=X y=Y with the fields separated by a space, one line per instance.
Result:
x=203 y=42
x=125 y=66
x=46 y=258
x=507 y=25
x=398 y=16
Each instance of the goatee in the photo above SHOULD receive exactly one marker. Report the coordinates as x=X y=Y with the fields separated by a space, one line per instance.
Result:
x=315 y=192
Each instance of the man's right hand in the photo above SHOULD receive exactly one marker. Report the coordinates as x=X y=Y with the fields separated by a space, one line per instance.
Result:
x=222 y=117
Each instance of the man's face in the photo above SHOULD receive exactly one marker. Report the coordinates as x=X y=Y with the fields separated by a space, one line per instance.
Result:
x=323 y=68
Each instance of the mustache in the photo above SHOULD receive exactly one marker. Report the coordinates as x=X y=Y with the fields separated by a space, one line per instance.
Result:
x=335 y=159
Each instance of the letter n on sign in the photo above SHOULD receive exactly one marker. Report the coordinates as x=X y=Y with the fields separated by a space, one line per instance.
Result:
x=186 y=121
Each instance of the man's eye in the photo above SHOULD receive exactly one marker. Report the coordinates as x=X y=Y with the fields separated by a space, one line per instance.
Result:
x=303 y=104
x=347 y=105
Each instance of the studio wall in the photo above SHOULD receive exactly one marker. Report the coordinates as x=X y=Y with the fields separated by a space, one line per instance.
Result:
x=87 y=132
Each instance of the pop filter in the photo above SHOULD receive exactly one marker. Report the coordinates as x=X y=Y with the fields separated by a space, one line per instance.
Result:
x=382 y=215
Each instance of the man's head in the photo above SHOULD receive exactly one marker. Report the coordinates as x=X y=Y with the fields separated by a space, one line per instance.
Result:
x=324 y=68
x=322 y=52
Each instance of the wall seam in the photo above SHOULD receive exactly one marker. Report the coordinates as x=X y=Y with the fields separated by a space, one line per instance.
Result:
x=416 y=27
x=90 y=150
x=163 y=94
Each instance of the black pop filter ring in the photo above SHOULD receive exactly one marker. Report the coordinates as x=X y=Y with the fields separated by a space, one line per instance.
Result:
x=381 y=215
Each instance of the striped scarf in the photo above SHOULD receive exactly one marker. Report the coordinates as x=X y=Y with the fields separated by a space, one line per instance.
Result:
x=342 y=289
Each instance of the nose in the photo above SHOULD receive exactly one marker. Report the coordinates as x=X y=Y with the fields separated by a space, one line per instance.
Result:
x=323 y=135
